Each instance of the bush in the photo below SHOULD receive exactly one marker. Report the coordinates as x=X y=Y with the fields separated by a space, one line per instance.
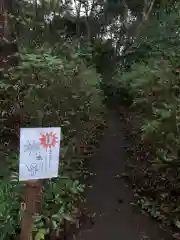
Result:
x=153 y=82
x=49 y=90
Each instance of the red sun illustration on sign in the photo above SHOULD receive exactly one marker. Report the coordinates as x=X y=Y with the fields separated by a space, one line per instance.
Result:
x=48 y=140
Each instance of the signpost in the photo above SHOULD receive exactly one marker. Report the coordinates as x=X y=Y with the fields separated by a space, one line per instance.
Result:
x=39 y=159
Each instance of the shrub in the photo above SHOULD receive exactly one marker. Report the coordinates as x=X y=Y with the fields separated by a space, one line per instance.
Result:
x=47 y=89
x=152 y=80
x=153 y=83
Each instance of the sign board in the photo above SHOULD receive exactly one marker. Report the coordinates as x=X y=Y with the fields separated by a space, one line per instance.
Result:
x=39 y=153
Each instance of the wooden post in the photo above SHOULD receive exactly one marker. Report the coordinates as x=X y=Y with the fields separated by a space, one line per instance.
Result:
x=32 y=190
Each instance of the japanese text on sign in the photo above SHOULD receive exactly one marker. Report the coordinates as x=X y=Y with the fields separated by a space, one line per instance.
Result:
x=39 y=153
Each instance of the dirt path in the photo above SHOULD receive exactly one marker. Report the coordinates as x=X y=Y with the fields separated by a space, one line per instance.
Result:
x=116 y=218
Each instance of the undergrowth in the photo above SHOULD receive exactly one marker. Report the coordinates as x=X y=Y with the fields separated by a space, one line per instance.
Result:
x=152 y=82
x=50 y=87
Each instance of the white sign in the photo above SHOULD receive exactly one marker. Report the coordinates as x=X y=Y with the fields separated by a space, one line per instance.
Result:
x=39 y=153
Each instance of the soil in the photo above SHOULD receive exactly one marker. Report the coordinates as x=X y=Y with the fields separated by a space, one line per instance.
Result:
x=110 y=198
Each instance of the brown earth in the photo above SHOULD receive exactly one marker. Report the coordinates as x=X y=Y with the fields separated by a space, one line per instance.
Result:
x=110 y=198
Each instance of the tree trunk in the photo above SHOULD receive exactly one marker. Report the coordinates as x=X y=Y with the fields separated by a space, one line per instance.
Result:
x=4 y=26
x=8 y=44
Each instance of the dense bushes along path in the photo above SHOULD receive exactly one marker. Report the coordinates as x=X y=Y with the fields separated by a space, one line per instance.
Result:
x=110 y=197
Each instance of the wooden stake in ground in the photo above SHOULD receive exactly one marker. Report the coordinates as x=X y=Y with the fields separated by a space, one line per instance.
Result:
x=32 y=190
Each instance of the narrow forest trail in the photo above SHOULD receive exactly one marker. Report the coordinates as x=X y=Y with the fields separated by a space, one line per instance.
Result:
x=110 y=198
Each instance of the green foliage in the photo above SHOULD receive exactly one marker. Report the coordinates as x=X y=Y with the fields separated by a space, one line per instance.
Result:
x=9 y=206
x=60 y=198
x=50 y=87
x=151 y=78
x=153 y=82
